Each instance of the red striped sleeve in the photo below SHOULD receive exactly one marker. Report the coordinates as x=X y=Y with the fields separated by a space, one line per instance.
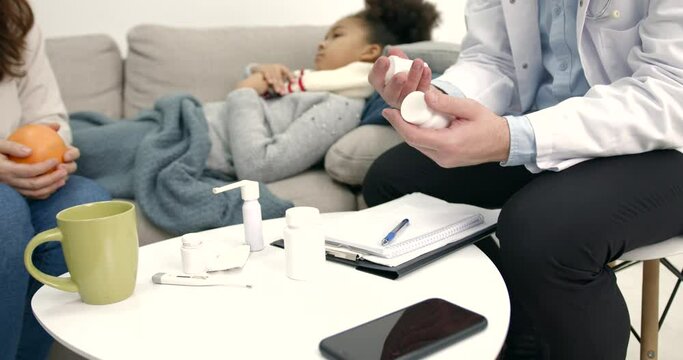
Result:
x=301 y=81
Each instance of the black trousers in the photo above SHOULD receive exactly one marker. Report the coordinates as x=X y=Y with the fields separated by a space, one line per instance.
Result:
x=557 y=232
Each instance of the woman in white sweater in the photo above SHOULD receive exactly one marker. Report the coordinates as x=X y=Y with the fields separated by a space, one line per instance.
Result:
x=30 y=194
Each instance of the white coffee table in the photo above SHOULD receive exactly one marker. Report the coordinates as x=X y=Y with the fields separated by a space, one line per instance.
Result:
x=277 y=318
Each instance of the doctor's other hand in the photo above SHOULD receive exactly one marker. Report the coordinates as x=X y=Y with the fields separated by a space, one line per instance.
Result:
x=393 y=92
x=475 y=134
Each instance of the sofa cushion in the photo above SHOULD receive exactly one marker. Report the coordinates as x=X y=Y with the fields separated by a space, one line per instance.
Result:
x=315 y=188
x=89 y=70
x=207 y=63
x=148 y=233
x=349 y=159
x=439 y=55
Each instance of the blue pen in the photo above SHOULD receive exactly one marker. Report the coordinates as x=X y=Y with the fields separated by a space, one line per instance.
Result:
x=394 y=232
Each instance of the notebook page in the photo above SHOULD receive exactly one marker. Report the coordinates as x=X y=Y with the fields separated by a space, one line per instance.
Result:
x=490 y=217
x=431 y=220
x=449 y=231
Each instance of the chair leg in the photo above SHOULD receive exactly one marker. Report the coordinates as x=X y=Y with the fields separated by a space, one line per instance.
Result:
x=650 y=310
x=670 y=266
x=678 y=274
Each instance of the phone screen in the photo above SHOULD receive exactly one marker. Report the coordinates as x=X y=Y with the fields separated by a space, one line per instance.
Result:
x=409 y=333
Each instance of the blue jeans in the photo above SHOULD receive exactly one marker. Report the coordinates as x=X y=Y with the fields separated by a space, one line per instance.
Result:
x=21 y=337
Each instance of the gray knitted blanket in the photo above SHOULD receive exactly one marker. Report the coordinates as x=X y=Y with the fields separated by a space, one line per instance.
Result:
x=158 y=158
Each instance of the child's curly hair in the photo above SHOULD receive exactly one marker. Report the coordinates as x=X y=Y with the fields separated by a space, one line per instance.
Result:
x=393 y=22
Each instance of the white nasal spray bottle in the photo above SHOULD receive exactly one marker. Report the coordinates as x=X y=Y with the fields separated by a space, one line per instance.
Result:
x=251 y=212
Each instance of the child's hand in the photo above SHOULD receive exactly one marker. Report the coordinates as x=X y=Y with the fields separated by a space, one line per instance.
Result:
x=255 y=81
x=276 y=75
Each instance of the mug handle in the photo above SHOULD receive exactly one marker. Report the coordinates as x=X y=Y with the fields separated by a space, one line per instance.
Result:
x=61 y=283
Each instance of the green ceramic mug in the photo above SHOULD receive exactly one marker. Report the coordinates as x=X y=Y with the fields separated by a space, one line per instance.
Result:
x=100 y=244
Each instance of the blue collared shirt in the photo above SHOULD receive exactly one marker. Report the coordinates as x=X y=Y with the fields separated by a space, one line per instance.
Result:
x=563 y=74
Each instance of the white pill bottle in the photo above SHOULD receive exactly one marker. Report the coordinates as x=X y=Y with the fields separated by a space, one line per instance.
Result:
x=304 y=243
x=414 y=110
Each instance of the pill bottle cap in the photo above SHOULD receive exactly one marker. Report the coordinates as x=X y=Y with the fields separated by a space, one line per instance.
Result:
x=302 y=216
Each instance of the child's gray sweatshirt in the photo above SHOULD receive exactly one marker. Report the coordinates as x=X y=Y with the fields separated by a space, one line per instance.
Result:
x=268 y=140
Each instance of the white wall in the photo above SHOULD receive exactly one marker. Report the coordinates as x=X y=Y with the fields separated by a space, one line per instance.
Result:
x=116 y=17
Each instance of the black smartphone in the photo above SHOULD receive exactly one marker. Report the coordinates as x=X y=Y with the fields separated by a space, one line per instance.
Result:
x=410 y=333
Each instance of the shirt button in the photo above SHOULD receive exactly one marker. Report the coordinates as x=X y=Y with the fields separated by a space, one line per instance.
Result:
x=557 y=11
x=563 y=66
x=525 y=66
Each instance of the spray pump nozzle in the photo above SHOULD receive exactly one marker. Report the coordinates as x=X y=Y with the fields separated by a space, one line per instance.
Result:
x=251 y=211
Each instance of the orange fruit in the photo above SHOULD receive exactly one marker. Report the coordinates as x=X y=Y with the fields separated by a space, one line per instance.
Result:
x=44 y=142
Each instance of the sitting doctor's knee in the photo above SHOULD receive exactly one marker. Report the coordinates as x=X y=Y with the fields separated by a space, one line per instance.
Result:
x=377 y=184
x=533 y=242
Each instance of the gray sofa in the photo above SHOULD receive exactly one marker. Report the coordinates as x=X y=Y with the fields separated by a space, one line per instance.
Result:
x=93 y=75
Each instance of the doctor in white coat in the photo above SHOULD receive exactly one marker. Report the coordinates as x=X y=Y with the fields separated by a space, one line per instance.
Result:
x=567 y=114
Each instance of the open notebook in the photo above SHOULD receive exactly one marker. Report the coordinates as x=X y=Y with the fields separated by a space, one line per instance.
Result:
x=431 y=221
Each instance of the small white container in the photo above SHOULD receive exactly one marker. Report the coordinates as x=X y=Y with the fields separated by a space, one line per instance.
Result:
x=304 y=243
x=193 y=254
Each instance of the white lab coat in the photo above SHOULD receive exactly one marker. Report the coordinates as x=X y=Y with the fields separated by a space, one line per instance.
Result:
x=632 y=55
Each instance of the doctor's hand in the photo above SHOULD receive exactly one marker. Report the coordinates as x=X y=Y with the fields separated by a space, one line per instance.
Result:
x=393 y=92
x=475 y=135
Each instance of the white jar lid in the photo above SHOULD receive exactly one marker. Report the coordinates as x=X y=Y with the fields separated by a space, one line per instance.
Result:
x=299 y=216
x=191 y=240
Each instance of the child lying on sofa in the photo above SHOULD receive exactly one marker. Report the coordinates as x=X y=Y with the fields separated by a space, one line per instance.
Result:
x=159 y=158
x=277 y=123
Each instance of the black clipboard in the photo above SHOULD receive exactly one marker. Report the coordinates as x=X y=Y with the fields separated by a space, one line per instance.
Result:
x=395 y=272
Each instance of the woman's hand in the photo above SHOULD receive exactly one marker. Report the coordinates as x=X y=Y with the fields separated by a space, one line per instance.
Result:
x=275 y=75
x=34 y=181
x=70 y=156
x=254 y=81
x=393 y=92
x=475 y=135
